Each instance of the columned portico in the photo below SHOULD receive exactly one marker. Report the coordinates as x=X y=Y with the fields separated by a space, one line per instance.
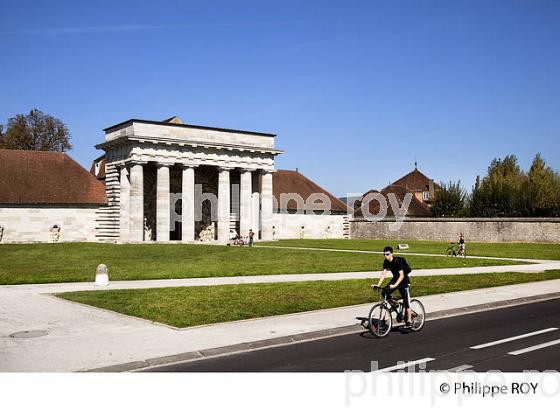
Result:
x=162 y=203
x=187 y=203
x=224 y=204
x=136 y=224
x=149 y=154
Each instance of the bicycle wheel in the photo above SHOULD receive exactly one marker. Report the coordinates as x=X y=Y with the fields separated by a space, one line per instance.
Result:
x=380 y=322
x=418 y=315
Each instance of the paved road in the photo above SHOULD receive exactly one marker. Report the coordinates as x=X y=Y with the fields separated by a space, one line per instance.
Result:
x=444 y=344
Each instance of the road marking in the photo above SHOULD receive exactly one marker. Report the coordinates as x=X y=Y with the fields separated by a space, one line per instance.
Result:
x=509 y=339
x=460 y=368
x=405 y=365
x=536 y=347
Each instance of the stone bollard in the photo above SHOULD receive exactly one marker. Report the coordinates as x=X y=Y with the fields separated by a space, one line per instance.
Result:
x=101 y=275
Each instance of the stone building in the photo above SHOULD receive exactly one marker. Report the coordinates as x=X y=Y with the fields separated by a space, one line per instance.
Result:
x=166 y=180
x=47 y=197
x=422 y=189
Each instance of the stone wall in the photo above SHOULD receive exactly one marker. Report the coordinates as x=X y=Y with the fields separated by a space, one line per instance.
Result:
x=289 y=226
x=33 y=223
x=475 y=229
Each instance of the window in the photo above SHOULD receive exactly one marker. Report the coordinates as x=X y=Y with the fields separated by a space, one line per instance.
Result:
x=426 y=195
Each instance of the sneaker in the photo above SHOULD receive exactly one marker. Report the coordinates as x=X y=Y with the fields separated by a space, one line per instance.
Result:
x=408 y=325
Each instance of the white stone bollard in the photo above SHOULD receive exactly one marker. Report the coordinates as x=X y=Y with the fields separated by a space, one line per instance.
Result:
x=101 y=275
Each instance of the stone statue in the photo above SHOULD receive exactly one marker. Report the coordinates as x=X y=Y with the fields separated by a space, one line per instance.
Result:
x=208 y=233
x=55 y=232
x=327 y=232
x=147 y=230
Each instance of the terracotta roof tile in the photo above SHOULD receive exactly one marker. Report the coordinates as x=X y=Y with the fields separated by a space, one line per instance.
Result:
x=40 y=177
x=414 y=181
x=415 y=208
x=293 y=182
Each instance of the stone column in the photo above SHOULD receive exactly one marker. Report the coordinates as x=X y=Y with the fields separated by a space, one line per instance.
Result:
x=223 y=205
x=266 y=206
x=187 y=201
x=163 y=211
x=245 y=202
x=124 y=202
x=137 y=202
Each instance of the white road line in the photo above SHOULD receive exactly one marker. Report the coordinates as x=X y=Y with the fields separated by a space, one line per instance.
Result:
x=509 y=339
x=460 y=368
x=536 y=347
x=405 y=365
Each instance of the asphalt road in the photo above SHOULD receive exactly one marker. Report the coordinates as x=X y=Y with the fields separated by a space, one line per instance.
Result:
x=444 y=344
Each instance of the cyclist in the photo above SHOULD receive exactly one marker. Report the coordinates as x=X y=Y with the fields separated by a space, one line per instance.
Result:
x=461 y=244
x=400 y=270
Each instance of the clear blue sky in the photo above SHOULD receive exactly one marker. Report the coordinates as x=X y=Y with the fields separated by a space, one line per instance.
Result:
x=354 y=90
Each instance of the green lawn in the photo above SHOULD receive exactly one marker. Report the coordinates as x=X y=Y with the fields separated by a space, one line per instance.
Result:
x=76 y=262
x=191 y=306
x=502 y=250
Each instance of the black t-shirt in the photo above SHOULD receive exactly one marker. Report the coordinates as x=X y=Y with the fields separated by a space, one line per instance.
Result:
x=395 y=267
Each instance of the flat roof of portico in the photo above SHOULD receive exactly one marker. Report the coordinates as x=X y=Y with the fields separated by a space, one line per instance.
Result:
x=169 y=124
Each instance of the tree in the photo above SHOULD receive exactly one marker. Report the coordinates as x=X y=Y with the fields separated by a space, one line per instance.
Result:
x=542 y=189
x=499 y=192
x=35 y=131
x=450 y=200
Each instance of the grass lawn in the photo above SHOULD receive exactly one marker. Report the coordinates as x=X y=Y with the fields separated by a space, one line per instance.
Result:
x=502 y=250
x=191 y=306
x=76 y=262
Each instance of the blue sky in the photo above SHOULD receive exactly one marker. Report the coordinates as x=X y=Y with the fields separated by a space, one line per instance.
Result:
x=355 y=91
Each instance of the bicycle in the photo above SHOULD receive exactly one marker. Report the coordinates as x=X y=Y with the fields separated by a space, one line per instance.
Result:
x=451 y=250
x=380 y=318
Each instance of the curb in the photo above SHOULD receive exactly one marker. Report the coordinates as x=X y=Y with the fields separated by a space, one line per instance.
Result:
x=305 y=337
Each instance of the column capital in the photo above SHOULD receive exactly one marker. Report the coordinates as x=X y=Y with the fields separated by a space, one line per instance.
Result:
x=224 y=168
x=267 y=171
x=247 y=169
x=164 y=165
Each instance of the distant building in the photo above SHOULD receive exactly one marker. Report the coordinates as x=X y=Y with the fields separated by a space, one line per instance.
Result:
x=422 y=188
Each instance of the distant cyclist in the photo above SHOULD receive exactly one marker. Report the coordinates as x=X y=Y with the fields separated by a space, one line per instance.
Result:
x=400 y=270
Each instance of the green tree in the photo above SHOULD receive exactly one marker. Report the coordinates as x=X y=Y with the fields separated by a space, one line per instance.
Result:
x=450 y=200
x=542 y=189
x=35 y=131
x=499 y=192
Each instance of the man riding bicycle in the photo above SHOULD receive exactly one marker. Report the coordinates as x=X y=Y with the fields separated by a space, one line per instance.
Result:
x=400 y=270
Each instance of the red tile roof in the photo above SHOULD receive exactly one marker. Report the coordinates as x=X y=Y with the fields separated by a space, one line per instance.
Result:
x=415 y=208
x=414 y=181
x=40 y=177
x=293 y=182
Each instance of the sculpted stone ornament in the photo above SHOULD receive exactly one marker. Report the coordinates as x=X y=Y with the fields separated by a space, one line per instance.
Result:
x=327 y=232
x=55 y=233
x=208 y=234
x=101 y=275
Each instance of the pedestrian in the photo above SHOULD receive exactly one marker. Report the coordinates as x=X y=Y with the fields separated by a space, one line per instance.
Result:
x=251 y=235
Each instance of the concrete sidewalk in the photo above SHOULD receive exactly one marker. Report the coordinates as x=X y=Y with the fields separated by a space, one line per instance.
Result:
x=78 y=337
x=233 y=280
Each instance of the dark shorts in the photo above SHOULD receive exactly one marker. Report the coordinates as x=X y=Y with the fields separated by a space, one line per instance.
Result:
x=405 y=294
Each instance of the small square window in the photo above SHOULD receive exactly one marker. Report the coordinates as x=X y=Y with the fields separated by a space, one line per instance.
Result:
x=426 y=195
